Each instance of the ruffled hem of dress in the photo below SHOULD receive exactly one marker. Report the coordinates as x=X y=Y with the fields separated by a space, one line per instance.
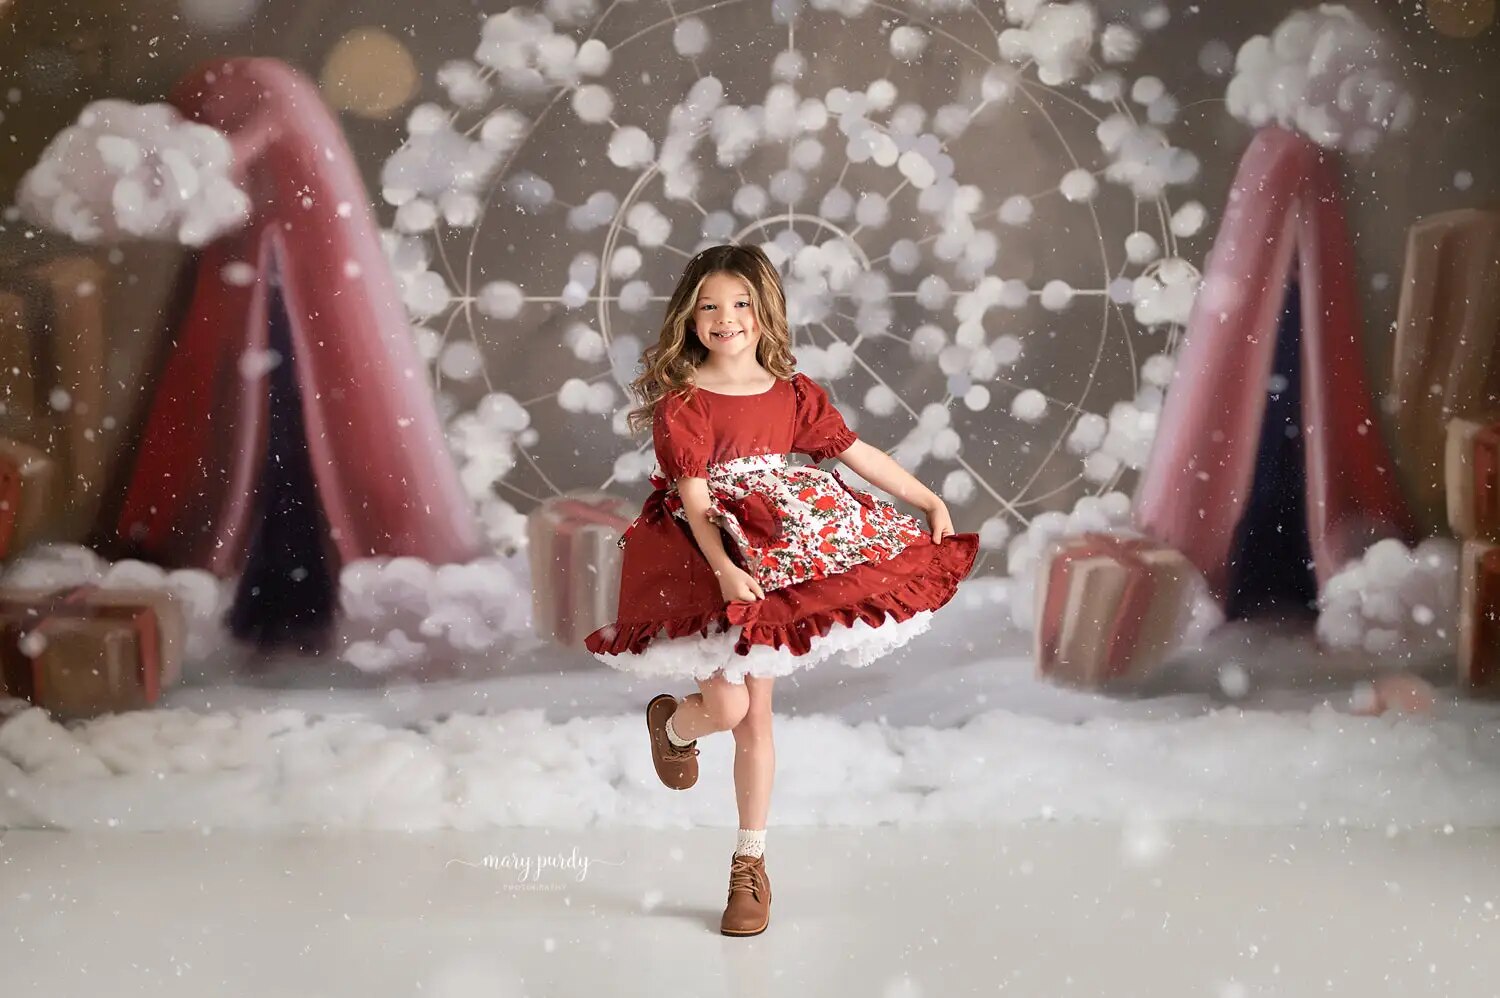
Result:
x=703 y=657
x=925 y=592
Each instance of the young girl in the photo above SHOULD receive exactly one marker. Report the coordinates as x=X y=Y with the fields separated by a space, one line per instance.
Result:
x=753 y=566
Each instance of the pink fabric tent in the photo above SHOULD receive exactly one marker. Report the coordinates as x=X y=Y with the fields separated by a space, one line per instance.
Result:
x=1284 y=222
x=384 y=478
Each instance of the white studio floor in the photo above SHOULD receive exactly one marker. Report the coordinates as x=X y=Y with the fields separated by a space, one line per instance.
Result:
x=1040 y=908
x=942 y=822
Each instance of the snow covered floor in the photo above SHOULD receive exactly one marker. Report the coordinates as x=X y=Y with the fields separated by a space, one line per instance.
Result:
x=1036 y=909
x=1252 y=731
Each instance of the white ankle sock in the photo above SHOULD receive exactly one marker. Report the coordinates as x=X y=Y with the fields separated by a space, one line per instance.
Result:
x=750 y=842
x=673 y=737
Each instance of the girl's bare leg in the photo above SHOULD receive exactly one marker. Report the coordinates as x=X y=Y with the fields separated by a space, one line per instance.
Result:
x=718 y=705
x=754 y=755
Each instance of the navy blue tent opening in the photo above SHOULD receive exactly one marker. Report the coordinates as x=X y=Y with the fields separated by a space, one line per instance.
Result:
x=1270 y=571
x=287 y=594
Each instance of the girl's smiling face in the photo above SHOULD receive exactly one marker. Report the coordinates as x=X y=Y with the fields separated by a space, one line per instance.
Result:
x=724 y=317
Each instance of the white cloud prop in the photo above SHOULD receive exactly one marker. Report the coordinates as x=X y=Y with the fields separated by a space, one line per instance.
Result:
x=1057 y=36
x=1325 y=73
x=132 y=171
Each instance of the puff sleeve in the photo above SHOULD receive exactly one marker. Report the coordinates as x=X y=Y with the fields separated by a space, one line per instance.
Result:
x=820 y=431
x=681 y=436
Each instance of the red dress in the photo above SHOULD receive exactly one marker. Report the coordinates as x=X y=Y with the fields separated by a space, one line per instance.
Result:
x=845 y=574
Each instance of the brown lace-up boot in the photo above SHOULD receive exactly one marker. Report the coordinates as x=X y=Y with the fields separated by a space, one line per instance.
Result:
x=749 y=909
x=676 y=767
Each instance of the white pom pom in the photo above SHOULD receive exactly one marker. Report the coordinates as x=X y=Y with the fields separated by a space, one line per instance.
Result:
x=750 y=201
x=1078 y=185
x=1014 y=293
x=1119 y=44
x=807 y=154
x=1188 y=220
x=958 y=487
x=905 y=255
x=1147 y=89
x=932 y=292
x=789 y=64
x=837 y=205
x=574 y=395
x=946 y=444
x=908 y=43
x=593 y=58
x=1056 y=294
x=881 y=401
x=927 y=342
x=500 y=300
x=690 y=37
x=601 y=397
x=1106 y=88
x=502 y=130
x=1141 y=248
x=1163 y=110
x=994 y=533
x=1088 y=433
x=999 y=83
x=1015 y=210
x=631 y=148
x=460 y=208
x=461 y=79
x=586 y=343
x=1158 y=369
x=416 y=215
x=650 y=226
x=1029 y=406
x=625 y=262
x=871 y=210
x=1100 y=466
x=977 y=398
x=881 y=94
x=460 y=360
x=593 y=104
x=1006 y=350
x=635 y=296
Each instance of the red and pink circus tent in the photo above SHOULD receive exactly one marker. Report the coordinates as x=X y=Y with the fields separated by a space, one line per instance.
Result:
x=293 y=427
x=1268 y=450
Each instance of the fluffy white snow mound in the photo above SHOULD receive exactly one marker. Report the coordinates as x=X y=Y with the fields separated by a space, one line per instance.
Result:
x=1397 y=603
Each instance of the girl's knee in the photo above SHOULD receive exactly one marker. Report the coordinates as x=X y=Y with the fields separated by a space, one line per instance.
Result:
x=756 y=723
x=727 y=705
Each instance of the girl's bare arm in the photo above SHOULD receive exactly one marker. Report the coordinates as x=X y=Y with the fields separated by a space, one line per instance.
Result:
x=881 y=470
x=695 y=500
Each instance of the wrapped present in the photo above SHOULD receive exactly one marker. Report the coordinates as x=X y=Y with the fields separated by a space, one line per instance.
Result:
x=1472 y=475
x=26 y=483
x=52 y=363
x=1479 y=618
x=573 y=540
x=86 y=651
x=1109 y=608
x=1447 y=352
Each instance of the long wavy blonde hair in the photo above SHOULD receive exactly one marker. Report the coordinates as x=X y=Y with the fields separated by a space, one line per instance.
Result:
x=669 y=363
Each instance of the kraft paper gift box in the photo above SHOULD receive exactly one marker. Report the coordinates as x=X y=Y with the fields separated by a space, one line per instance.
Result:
x=53 y=352
x=1479 y=618
x=573 y=543
x=27 y=480
x=1109 y=608
x=1446 y=360
x=1472 y=473
x=87 y=651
